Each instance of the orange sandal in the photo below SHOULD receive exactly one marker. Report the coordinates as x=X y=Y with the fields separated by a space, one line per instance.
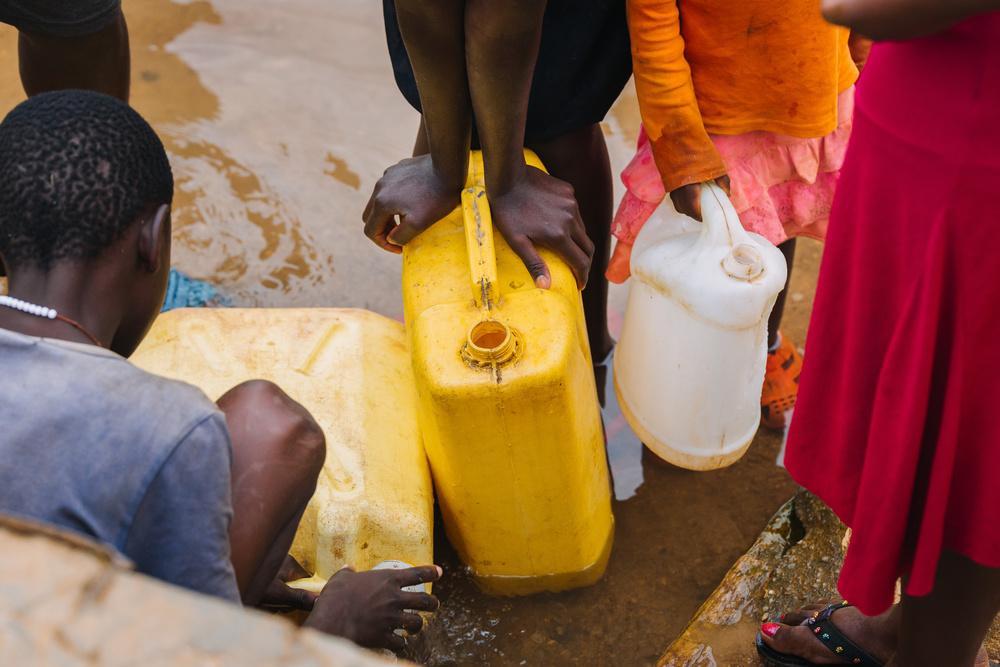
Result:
x=781 y=384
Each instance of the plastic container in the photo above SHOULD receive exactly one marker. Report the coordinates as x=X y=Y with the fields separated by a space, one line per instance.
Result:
x=351 y=370
x=690 y=363
x=508 y=405
x=416 y=588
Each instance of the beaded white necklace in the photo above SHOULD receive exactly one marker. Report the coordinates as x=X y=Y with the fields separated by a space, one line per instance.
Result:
x=26 y=307
x=42 y=311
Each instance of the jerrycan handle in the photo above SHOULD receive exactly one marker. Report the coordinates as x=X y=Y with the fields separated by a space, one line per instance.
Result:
x=721 y=227
x=479 y=242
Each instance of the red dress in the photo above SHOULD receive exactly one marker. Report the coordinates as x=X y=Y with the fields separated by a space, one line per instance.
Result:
x=897 y=424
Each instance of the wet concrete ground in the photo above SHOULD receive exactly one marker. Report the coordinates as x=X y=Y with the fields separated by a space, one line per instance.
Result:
x=279 y=116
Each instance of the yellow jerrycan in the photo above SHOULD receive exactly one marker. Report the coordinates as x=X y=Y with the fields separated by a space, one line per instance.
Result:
x=508 y=405
x=351 y=370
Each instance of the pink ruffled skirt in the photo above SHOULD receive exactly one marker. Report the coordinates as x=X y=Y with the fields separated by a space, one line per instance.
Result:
x=782 y=186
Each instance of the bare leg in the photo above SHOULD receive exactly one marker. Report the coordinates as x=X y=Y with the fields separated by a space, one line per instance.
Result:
x=581 y=159
x=278 y=453
x=774 y=321
x=98 y=62
x=947 y=626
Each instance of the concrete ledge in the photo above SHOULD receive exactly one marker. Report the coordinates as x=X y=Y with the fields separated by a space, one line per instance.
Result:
x=795 y=560
x=65 y=600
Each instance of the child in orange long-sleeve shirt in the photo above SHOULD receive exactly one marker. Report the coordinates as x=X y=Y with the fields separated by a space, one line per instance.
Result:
x=757 y=96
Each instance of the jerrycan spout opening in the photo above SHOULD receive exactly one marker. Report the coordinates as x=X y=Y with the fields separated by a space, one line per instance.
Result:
x=743 y=262
x=490 y=342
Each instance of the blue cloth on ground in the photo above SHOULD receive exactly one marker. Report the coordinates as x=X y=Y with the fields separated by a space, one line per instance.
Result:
x=186 y=292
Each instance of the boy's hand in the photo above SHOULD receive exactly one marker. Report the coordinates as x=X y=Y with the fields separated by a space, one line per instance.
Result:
x=367 y=607
x=280 y=594
x=687 y=198
x=540 y=210
x=414 y=191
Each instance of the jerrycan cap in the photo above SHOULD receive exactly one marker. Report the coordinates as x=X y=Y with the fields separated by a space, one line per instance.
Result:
x=743 y=262
x=393 y=564
x=490 y=342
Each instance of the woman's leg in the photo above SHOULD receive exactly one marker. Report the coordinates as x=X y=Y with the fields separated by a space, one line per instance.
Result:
x=278 y=453
x=947 y=626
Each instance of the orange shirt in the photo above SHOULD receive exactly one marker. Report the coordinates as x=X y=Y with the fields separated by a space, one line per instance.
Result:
x=729 y=67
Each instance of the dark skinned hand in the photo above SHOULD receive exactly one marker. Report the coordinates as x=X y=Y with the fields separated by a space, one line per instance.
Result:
x=280 y=594
x=414 y=191
x=367 y=607
x=540 y=210
x=687 y=198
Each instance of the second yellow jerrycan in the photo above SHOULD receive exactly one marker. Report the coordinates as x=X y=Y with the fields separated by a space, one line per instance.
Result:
x=351 y=370
x=507 y=405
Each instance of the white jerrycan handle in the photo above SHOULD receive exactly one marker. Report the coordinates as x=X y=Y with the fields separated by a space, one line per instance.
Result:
x=721 y=228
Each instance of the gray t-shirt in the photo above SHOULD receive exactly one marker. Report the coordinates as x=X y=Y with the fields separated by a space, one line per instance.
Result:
x=91 y=442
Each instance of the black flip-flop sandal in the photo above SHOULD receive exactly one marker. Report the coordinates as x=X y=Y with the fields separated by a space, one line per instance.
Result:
x=824 y=629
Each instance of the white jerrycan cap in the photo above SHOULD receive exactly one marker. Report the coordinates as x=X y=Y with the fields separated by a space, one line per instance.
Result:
x=722 y=226
x=743 y=262
x=416 y=588
x=401 y=565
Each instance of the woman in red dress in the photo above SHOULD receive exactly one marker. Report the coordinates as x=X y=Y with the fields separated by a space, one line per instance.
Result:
x=897 y=426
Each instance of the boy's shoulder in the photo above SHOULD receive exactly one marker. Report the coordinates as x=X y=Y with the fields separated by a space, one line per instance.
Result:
x=76 y=380
x=85 y=435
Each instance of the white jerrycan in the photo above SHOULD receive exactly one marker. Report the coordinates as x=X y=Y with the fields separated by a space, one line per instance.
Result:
x=690 y=363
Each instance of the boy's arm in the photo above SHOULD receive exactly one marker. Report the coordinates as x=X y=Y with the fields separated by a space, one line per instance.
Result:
x=424 y=189
x=180 y=532
x=529 y=207
x=682 y=150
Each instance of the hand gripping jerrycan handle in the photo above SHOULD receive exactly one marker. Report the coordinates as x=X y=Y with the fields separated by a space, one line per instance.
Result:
x=722 y=252
x=722 y=227
x=490 y=342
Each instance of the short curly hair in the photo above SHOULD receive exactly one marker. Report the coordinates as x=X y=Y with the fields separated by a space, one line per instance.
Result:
x=76 y=170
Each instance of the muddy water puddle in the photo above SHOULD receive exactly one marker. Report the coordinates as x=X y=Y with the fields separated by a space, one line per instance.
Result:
x=279 y=116
x=677 y=533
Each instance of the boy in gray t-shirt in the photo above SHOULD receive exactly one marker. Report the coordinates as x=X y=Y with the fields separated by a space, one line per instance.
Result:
x=202 y=495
